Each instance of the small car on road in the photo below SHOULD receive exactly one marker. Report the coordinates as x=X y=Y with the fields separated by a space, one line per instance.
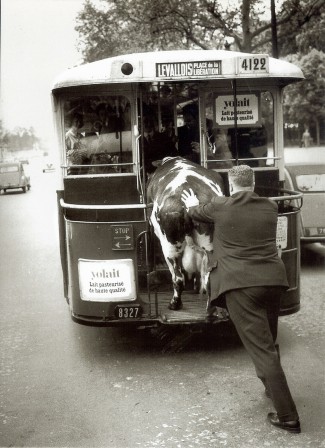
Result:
x=13 y=175
x=305 y=172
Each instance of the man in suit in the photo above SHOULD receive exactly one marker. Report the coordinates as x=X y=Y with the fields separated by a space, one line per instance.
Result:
x=247 y=273
x=157 y=145
x=189 y=134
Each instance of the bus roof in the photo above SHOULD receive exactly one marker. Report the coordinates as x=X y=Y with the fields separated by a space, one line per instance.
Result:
x=180 y=65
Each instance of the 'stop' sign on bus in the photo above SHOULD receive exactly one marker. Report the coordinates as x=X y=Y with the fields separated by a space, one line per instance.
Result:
x=195 y=69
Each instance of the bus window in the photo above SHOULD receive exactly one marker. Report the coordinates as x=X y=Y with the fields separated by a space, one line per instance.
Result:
x=98 y=134
x=173 y=111
x=188 y=123
x=156 y=145
x=254 y=132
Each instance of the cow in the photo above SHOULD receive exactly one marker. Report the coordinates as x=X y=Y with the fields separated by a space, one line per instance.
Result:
x=185 y=244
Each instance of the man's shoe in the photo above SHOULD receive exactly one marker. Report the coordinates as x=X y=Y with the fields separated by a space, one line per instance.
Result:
x=216 y=312
x=291 y=426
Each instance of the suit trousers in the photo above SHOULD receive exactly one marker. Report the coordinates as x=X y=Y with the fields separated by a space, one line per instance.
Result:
x=254 y=311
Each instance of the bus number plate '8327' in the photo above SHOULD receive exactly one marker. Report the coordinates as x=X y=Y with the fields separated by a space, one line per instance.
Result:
x=127 y=311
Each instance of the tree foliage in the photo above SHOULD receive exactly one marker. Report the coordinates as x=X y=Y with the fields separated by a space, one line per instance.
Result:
x=17 y=140
x=305 y=45
x=111 y=27
x=305 y=29
x=305 y=101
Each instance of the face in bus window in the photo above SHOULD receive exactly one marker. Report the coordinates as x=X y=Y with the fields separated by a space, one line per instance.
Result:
x=190 y=121
x=77 y=153
x=102 y=115
x=106 y=119
x=188 y=135
x=149 y=126
x=76 y=122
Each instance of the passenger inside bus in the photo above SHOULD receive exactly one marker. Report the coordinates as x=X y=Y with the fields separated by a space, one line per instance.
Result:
x=77 y=153
x=189 y=139
x=218 y=147
x=99 y=135
x=104 y=126
x=168 y=130
x=251 y=144
x=189 y=134
x=156 y=145
x=107 y=124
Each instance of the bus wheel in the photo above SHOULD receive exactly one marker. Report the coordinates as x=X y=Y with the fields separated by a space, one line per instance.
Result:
x=24 y=189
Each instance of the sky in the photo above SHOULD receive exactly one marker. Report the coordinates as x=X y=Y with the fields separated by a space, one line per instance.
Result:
x=38 y=41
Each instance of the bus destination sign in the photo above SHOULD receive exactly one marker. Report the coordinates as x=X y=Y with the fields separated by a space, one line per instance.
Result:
x=194 y=69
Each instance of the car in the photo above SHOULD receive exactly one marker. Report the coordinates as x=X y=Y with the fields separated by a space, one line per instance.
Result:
x=13 y=175
x=305 y=172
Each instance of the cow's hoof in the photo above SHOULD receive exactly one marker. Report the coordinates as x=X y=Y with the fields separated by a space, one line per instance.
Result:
x=175 y=305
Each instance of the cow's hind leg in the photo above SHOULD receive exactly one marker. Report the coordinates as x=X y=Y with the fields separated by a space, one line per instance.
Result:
x=175 y=268
x=173 y=254
x=169 y=225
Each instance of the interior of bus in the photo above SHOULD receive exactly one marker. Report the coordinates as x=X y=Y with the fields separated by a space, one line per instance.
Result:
x=104 y=133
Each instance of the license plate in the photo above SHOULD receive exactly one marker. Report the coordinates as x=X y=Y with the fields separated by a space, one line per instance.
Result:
x=321 y=231
x=128 y=311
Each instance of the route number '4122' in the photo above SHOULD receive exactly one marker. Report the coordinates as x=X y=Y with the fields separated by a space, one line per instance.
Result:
x=254 y=64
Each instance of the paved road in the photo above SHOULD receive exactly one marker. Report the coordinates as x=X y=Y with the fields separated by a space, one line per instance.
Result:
x=301 y=155
x=65 y=385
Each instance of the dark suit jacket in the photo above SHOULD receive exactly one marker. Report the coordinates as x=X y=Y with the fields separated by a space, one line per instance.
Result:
x=185 y=137
x=244 y=242
x=156 y=148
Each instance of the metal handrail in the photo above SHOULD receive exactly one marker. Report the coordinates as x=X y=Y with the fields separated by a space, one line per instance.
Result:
x=101 y=206
x=98 y=164
x=242 y=159
x=291 y=194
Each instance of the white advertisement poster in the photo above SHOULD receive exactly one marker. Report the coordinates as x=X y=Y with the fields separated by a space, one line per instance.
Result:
x=247 y=109
x=106 y=280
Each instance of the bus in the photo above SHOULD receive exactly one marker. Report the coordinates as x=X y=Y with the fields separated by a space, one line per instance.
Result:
x=105 y=114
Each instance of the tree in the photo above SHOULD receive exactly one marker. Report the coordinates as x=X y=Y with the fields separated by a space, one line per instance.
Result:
x=305 y=101
x=3 y=140
x=305 y=28
x=17 y=140
x=122 y=26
